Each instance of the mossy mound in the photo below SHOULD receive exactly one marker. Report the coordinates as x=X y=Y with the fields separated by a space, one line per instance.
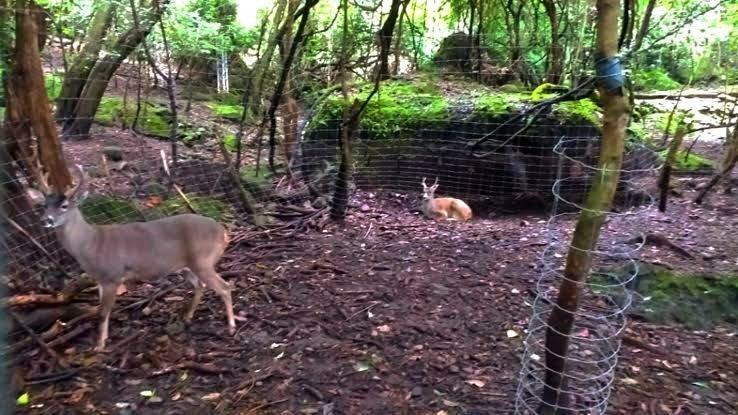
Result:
x=398 y=104
x=211 y=208
x=695 y=300
x=256 y=184
x=104 y=210
x=153 y=120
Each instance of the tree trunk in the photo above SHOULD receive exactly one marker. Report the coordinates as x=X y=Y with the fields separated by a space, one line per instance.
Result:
x=28 y=109
x=75 y=78
x=385 y=39
x=555 y=51
x=645 y=25
x=279 y=88
x=665 y=177
x=597 y=203
x=97 y=82
x=729 y=161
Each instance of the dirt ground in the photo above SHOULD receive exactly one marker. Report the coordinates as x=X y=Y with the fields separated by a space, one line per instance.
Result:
x=387 y=314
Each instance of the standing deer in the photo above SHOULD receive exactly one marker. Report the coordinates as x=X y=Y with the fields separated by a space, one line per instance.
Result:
x=443 y=207
x=141 y=250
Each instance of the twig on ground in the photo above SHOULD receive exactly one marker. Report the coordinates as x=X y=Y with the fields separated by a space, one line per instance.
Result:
x=60 y=360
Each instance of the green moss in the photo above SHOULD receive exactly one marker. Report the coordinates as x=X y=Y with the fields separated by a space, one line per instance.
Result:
x=256 y=184
x=582 y=111
x=688 y=161
x=230 y=112
x=153 y=119
x=543 y=92
x=496 y=105
x=104 y=210
x=695 y=300
x=654 y=79
x=211 y=208
x=53 y=83
x=398 y=104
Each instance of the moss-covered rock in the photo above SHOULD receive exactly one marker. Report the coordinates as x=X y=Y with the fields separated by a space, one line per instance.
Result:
x=104 y=210
x=205 y=206
x=154 y=119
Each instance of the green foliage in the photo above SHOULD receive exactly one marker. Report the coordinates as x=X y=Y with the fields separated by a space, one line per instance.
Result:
x=212 y=208
x=53 y=83
x=654 y=79
x=582 y=111
x=153 y=120
x=688 y=161
x=637 y=132
x=679 y=117
x=104 y=210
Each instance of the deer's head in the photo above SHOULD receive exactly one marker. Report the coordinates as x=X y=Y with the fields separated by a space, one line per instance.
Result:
x=429 y=191
x=56 y=205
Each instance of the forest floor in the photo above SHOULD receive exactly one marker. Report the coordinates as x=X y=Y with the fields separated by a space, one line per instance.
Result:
x=388 y=313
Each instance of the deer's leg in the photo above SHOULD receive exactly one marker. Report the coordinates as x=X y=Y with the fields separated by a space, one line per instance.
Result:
x=198 y=289
x=107 y=300
x=217 y=284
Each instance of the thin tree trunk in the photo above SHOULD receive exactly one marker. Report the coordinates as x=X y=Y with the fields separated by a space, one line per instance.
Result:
x=97 y=82
x=586 y=234
x=76 y=77
x=28 y=104
x=279 y=89
x=645 y=25
x=665 y=177
x=385 y=38
x=555 y=51
x=398 y=39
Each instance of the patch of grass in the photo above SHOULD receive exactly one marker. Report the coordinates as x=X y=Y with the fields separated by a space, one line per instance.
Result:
x=104 y=210
x=654 y=79
x=153 y=119
x=205 y=206
x=577 y=112
x=688 y=161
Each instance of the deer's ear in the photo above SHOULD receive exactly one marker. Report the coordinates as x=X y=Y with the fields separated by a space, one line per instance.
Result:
x=36 y=197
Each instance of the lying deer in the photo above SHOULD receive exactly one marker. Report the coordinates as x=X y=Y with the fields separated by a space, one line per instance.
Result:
x=443 y=207
x=141 y=250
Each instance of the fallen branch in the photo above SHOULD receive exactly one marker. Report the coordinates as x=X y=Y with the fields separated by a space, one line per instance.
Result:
x=177 y=188
x=60 y=360
x=661 y=241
